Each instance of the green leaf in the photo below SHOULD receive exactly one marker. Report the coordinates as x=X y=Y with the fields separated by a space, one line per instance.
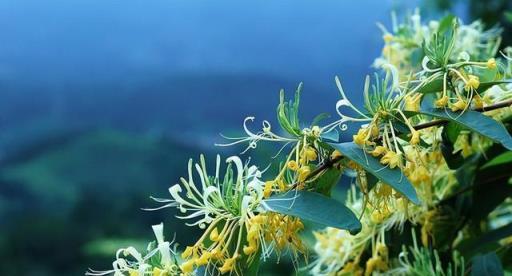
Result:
x=436 y=85
x=486 y=265
x=486 y=85
x=332 y=136
x=324 y=183
x=314 y=207
x=487 y=241
x=474 y=121
x=393 y=177
x=446 y=24
x=449 y=135
x=501 y=159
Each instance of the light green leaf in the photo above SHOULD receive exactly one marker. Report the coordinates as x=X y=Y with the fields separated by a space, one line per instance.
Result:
x=486 y=265
x=474 y=121
x=314 y=207
x=393 y=177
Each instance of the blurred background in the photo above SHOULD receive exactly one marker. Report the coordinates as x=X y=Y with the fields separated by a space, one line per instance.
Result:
x=102 y=103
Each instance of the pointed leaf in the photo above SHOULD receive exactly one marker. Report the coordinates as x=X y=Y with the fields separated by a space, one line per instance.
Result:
x=332 y=136
x=393 y=177
x=486 y=85
x=314 y=207
x=486 y=265
x=474 y=121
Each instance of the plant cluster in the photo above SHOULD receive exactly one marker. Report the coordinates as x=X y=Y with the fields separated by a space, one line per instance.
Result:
x=429 y=165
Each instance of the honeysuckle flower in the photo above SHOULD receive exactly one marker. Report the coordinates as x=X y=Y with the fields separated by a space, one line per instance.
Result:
x=222 y=206
x=229 y=210
x=361 y=137
x=159 y=260
x=441 y=102
x=392 y=159
x=491 y=63
x=252 y=138
x=415 y=137
x=412 y=102
x=292 y=165
x=459 y=105
x=472 y=83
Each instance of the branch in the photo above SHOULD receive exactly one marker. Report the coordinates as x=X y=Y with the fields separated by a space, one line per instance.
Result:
x=330 y=162
x=482 y=109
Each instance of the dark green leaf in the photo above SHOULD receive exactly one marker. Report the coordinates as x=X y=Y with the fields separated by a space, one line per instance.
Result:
x=486 y=85
x=252 y=269
x=449 y=135
x=314 y=207
x=324 y=183
x=501 y=159
x=434 y=86
x=393 y=177
x=474 y=121
x=485 y=241
x=486 y=265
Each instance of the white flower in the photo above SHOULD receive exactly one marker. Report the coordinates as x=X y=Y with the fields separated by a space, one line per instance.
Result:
x=130 y=260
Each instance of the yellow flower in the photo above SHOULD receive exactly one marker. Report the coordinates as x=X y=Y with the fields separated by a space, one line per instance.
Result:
x=310 y=154
x=158 y=272
x=292 y=165
x=214 y=235
x=459 y=105
x=478 y=101
x=491 y=63
x=472 y=83
x=134 y=272
x=228 y=265
x=375 y=263
x=248 y=250
x=384 y=190
x=382 y=250
x=379 y=150
x=379 y=216
x=188 y=252
x=415 y=139
x=303 y=173
x=412 y=102
x=387 y=37
x=361 y=136
x=267 y=190
x=336 y=154
x=187 y=266
x=205 y=257
x=442 y=102
x=419 y=174
x=352 y=268
x=375 y=130
x=392 y=159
